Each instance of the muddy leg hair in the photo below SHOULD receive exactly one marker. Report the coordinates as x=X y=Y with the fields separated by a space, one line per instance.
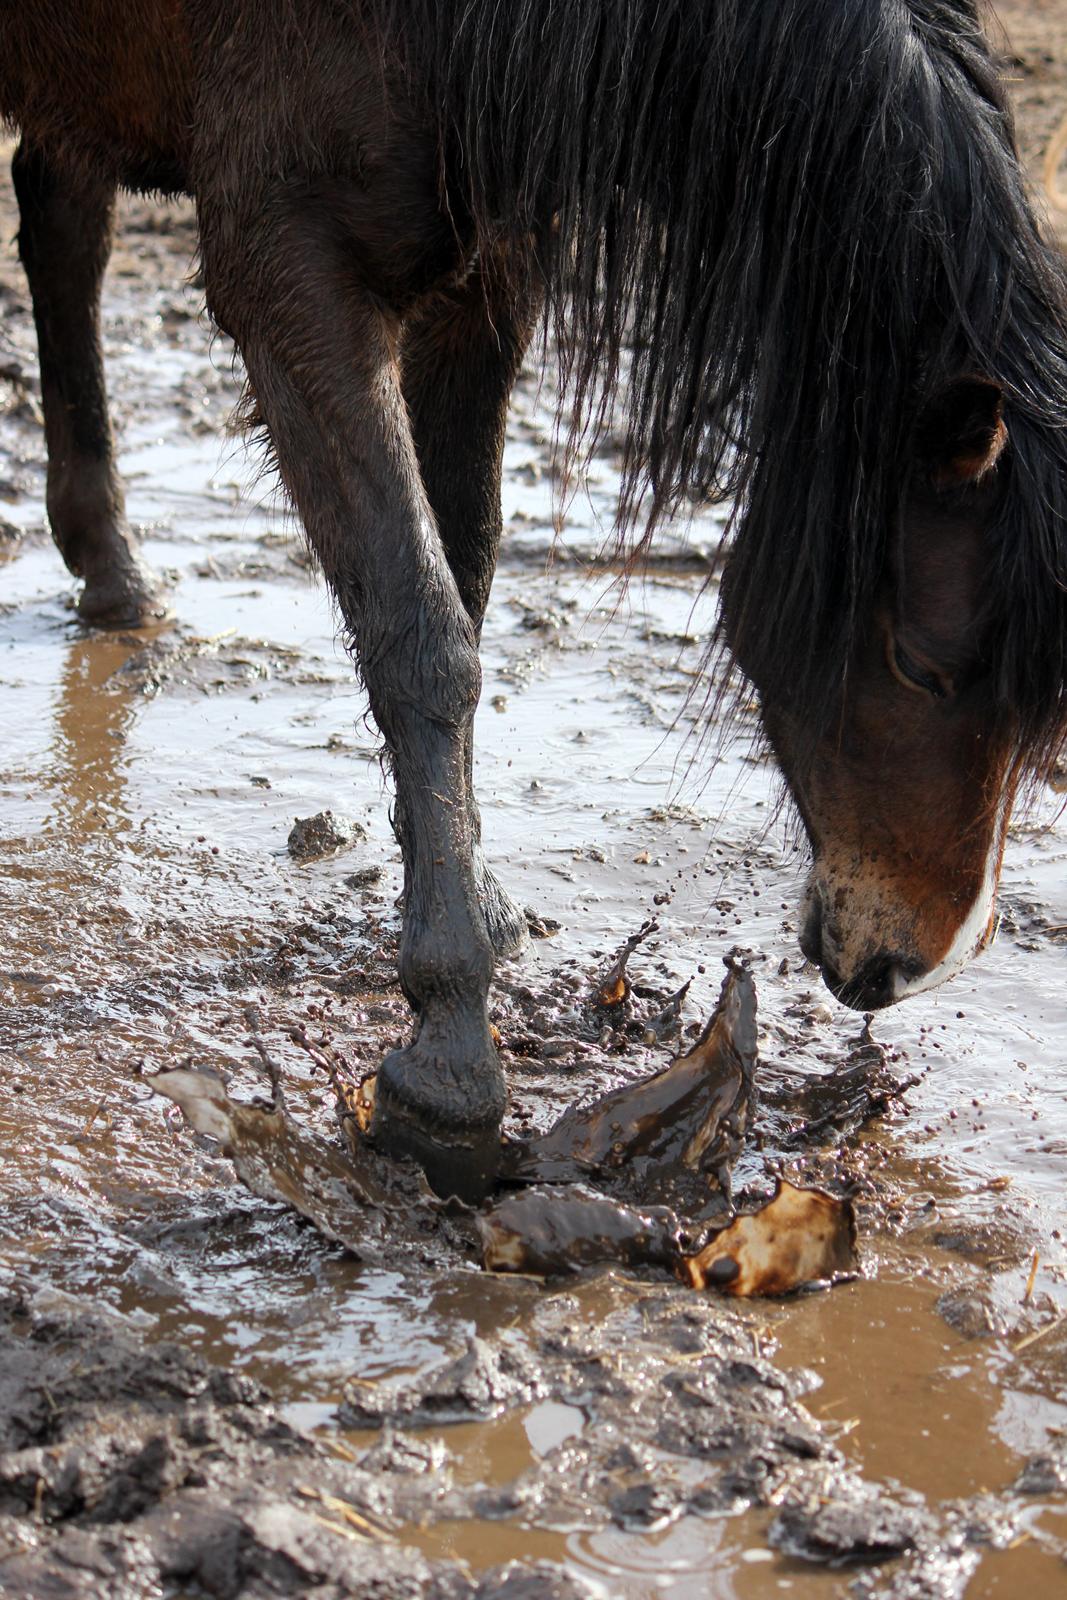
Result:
x=64 y=242
x=321 y=355
x=460 y=356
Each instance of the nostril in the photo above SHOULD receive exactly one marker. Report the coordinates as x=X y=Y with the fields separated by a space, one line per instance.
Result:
x=872 y=987
x=868 y=989
x=877 y=983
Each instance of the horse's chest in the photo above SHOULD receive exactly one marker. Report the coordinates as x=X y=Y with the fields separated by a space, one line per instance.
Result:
x=100 y=83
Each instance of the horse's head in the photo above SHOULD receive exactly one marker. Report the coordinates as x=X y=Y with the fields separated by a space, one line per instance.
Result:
x=906 y=792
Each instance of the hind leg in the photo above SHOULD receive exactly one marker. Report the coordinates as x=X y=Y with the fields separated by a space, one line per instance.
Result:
x=64 y=242
x=460 y=357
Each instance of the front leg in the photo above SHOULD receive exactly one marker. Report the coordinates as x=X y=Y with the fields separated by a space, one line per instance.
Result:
x=65 y=227
x=461 y=354
x=323 y=367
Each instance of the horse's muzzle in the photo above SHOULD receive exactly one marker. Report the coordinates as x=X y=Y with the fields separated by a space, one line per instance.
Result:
x=878 y=982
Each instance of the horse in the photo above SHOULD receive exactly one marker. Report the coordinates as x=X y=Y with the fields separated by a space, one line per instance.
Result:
x=789 y=244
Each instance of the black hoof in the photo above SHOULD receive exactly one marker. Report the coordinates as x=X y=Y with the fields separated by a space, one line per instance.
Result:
x=123 y=597
x=446 y=1119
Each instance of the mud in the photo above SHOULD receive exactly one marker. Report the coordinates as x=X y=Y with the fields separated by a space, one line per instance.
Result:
x=673 y=1137
x=323 y=835
x=134 y=1470
x=126 y=1466
x=201 y=1395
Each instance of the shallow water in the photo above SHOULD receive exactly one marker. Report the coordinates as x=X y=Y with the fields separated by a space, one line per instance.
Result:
x=147 y=897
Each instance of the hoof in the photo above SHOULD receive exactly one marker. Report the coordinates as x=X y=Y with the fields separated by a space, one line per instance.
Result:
x=128 y=597
x=446 y=1119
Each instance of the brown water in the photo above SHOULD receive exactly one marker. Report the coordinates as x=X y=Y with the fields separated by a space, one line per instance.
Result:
x=146 y=897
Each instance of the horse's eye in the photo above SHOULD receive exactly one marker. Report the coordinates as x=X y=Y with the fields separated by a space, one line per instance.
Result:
x=911 y=673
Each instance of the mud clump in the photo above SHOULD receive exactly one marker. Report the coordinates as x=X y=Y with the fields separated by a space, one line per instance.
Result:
x=483 y=1382
x=1044 y=1474
x=864 y=1529
x=548 y=1231
x=801 y=1236
x=365 y=878
x=798 y=1238
x=971 y=1313
x=182 y=662
x=127 y=1470
x=324 y=834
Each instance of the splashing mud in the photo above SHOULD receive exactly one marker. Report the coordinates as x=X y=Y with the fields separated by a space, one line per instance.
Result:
x=198 y=1393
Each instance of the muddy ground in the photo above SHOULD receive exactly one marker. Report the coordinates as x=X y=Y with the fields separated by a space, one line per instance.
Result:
x=198 y=1393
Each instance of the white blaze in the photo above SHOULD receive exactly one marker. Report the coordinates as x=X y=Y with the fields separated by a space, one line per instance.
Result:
x=970 y=936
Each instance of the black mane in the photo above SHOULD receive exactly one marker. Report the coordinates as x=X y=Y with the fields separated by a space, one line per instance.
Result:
x=802 y=217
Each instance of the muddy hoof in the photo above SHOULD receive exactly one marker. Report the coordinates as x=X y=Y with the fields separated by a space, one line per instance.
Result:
x=125 y=598
x=446 y=1119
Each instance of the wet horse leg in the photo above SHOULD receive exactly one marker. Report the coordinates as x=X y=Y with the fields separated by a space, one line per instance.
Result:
x=64 y=242
x=460 y=357
x=322 y=358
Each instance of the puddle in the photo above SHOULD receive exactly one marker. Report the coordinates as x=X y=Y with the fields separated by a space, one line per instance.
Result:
x=913 y=1401
x=147 y=898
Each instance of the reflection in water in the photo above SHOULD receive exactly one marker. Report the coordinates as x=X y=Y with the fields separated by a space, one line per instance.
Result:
x=86 y=769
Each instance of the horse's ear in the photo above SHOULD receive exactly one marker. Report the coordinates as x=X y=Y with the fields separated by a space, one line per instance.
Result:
x=961 y=433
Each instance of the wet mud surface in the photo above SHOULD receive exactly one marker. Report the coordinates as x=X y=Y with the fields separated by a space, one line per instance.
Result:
x=202 y=1395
